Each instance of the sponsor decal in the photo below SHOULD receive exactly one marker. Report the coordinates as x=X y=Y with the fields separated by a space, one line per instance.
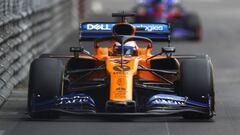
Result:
x=119 y=81
x=74 y=100
x=120 y=89
x=164 y=99
x=104 y=27
x=167 y=102
x=121 y=68
x=120 y=94
x=150 y=28
x=121 y=73
x=144 y=27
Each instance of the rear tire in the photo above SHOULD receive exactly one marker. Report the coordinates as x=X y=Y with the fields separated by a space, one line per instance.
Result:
x=196 y=83
x=194 y=25
x=44 y=85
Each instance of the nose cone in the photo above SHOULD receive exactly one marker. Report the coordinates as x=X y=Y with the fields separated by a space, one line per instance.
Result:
x=121 y=78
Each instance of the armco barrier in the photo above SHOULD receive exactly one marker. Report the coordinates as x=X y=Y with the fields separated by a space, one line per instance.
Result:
x=27 y=29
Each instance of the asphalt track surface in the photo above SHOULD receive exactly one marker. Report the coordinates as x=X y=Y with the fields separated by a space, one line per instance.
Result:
x=221 y=41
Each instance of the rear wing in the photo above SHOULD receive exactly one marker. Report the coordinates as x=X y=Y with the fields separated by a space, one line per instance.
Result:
x=155 y=31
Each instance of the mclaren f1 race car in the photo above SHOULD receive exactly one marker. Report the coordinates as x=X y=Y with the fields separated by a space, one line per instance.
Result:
x=185 y=25
x=122 y=77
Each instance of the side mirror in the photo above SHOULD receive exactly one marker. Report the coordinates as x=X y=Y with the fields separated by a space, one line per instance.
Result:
x=168 y=50
x=76 y=49
x=165 y=50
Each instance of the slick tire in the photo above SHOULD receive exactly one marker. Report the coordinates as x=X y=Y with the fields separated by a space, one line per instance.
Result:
x=44 y=85
x=194 y=25
x=196 y=83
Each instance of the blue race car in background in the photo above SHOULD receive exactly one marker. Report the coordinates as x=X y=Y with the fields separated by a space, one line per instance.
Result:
x=185 y=25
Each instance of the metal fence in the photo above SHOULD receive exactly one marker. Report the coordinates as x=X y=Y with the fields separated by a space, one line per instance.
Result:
x=27 y=29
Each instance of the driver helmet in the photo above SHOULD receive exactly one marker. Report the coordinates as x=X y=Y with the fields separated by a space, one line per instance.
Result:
x=128 y=49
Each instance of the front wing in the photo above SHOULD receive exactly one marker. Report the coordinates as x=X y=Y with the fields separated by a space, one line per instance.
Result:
x=158 y=105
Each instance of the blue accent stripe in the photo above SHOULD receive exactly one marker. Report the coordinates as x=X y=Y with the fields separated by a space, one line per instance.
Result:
x=190 y=102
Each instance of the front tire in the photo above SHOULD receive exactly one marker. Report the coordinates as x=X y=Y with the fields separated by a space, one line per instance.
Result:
x=44 y=85
x=196 y=83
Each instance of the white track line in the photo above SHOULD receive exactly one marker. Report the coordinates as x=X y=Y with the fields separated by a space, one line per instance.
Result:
x=167 y=127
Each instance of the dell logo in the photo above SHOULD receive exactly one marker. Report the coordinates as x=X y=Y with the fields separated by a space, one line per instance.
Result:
x=98 y=27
